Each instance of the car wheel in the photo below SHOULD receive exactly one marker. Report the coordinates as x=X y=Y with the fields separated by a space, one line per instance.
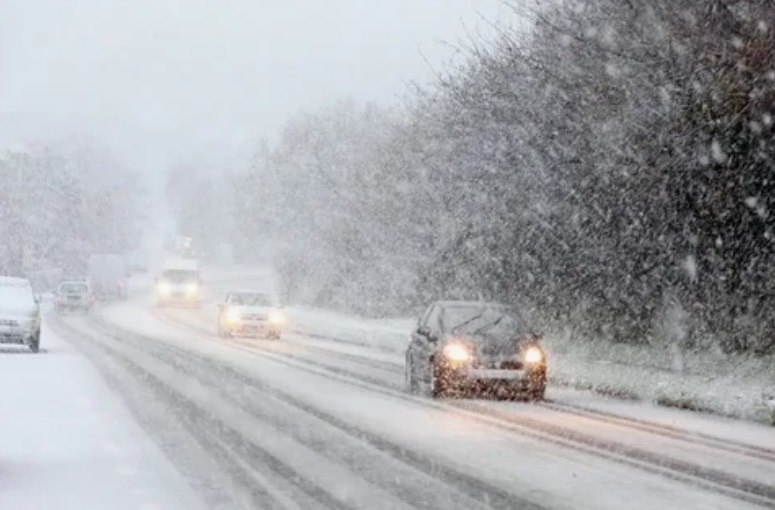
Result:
x=412 y=386
x=35 y=344
x=438 y=382
x=537 y=394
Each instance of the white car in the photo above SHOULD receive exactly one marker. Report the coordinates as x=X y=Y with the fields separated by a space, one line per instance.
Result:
x=73 y=295
x=19 y=313
x=250 y=313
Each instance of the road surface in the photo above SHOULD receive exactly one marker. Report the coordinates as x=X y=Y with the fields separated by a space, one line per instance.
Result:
x=310 y=422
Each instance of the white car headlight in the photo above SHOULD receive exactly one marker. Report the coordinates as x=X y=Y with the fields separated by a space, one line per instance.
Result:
x=233 y=315
x=456 y=352
x=533 y=355
x=164 y=288
x=192 y=288
x=276 y=318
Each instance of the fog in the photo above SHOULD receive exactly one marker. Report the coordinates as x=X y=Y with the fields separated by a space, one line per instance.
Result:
x=164 y=80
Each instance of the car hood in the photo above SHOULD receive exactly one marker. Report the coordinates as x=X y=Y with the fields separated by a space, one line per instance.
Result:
x=16 y=310
x=251 y=309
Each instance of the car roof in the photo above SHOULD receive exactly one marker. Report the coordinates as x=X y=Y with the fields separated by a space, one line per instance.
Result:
x=13 y=281
x=181 y=265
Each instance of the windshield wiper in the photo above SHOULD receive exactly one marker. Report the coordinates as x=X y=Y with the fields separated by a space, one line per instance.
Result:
x=489 y=325
x=467 y=321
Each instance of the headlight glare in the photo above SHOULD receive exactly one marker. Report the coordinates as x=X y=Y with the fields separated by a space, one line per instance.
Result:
x=456 y=352
x=233 y=315
x=276 y=317
x=192 y=288
x=164 y=288
x=533 y=355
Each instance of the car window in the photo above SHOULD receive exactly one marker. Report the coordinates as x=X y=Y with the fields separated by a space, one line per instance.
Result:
x=73 y=288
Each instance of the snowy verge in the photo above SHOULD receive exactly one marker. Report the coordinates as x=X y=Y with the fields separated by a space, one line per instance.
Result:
x=67 y=442
x=740 y=387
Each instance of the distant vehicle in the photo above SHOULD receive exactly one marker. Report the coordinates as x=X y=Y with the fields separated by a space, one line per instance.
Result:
x=473 y=347
x=107 y=276
x=73 y=295
x=19 y=313
x=250 y=313
x=180 y=283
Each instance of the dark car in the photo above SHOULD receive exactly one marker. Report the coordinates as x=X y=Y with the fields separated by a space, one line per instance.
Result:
x=464 y=347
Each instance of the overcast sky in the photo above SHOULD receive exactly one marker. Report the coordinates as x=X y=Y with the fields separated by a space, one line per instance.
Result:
x=160 y=80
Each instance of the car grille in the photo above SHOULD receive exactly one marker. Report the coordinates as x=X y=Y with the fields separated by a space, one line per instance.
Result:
x=510 y=365
x=8 y=322
x=254 y=317
x=501 y=365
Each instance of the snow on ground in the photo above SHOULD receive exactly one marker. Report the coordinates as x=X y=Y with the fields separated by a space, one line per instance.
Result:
x=67 y=442
x=436 y=433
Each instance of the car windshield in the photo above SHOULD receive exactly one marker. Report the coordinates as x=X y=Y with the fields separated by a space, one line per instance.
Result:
x=487 y=323
x=180 y=276
x=15 y=295
x=73 y=288
x=251 y=299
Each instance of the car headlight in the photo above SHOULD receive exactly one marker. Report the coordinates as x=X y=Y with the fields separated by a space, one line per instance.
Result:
x=233 y=315
x=276 y=318
x=164 y=288
x=533 y=355
x=456 y=352
x=192 y=288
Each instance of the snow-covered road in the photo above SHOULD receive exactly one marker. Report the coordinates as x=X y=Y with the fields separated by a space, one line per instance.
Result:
x=316 y=423
x=67 y=441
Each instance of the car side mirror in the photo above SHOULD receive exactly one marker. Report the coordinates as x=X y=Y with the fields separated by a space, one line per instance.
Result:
x=425 y=332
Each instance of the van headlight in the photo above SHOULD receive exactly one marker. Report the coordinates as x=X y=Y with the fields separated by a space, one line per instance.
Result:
x=164 y=288
x=192 y=288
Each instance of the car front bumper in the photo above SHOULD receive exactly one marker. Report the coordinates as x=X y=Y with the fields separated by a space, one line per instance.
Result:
x=489 y=380
x=257 y=328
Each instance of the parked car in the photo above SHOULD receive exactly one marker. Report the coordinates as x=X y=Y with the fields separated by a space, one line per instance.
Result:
x=250 y=313
x=19 y=313
x=473 y=347
x=180 y=283
x=73 y=295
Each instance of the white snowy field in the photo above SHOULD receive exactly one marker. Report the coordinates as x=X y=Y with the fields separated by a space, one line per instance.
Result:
x=68 y=442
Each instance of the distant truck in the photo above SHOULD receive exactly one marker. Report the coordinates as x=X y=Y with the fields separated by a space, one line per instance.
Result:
x=107 y=276
x=180 y=283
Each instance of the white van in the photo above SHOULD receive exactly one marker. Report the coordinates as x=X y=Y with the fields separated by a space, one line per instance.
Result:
x=179 y=283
